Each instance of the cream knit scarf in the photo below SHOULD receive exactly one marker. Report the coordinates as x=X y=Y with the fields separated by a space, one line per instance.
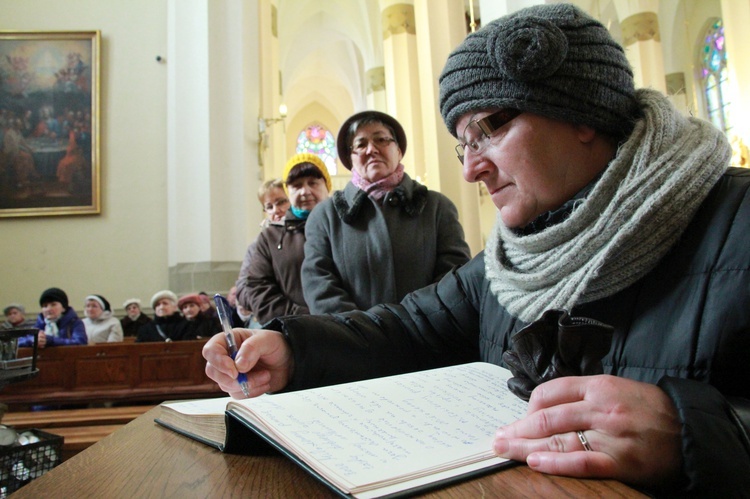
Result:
x=632 y=217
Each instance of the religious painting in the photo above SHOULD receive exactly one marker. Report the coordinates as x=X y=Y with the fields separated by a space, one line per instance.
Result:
x=49 y=123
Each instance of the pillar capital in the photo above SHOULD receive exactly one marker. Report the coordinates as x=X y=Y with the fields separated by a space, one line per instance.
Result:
x=398 y=19
x=640 y=27
x=375 y=79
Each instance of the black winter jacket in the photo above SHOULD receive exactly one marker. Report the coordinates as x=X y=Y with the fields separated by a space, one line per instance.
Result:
x=175 y=327
x=685 y=326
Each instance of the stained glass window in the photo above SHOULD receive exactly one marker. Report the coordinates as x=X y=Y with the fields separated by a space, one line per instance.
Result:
x=714 y=73
x=317 y=140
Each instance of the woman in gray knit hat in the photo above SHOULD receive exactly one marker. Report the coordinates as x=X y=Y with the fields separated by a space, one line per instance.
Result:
x=614 y=284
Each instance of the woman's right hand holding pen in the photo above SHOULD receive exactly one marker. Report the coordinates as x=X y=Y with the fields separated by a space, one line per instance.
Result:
x=263 y=354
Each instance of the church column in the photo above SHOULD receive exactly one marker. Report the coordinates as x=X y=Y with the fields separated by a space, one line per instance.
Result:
x=736 y=18
x=642 y=41
x=375 y=88
x=272 y=132
x=402 y=78
x=210 y=161
x=440 y=28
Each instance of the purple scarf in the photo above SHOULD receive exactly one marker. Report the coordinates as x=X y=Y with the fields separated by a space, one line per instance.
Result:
x=377 y=190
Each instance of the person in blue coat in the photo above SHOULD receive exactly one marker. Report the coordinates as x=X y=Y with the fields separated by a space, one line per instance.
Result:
x=58 y=323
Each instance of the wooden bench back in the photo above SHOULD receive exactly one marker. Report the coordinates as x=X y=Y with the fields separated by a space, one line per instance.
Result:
x=114 y=372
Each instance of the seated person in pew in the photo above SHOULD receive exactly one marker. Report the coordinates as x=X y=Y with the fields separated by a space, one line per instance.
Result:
x=237 y=319
x=15 y=317
x=58 y=323
x=199 y=324
x=134 y=319
x=207 y=305
x=614 y=208
x=168 y=324
x=101 y=325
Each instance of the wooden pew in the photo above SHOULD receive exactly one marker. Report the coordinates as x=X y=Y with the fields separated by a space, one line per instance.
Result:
x=80 y=428
x=128 y=372
x=92 y=416
x=113 y=372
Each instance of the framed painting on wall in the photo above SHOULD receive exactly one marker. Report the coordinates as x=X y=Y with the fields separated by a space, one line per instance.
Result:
x=49 y=123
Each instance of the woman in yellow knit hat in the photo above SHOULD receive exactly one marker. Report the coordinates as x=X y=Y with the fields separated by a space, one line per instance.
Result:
x=273 y=284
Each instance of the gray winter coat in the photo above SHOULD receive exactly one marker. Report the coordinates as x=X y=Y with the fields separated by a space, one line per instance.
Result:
x=359 y=254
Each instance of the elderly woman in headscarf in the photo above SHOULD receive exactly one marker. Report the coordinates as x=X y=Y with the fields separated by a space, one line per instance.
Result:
x=200 y=324
x=168 y=324
x=101 y=325
x=384 y=235
x=273 y=286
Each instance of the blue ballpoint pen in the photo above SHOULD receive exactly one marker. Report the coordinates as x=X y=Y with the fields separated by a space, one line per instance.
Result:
x=222 y=307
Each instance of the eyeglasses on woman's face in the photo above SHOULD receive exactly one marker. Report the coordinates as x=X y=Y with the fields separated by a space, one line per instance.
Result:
x=280 y=203
x=476 y=135
x=360 y=144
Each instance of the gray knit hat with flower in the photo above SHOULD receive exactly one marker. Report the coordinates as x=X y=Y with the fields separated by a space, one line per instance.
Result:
x=553 y=60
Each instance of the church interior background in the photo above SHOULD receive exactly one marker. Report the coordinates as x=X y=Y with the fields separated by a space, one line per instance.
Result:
x=203 y=100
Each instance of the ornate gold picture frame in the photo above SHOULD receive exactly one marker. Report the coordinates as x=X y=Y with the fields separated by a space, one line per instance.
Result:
x=49 y=123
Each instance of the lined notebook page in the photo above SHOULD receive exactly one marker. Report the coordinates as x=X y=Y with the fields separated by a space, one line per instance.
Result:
x=374 y=431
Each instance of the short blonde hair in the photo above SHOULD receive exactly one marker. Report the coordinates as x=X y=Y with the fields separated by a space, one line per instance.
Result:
x=268 y=186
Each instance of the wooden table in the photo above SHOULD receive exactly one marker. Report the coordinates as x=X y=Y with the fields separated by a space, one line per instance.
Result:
x=143 y=459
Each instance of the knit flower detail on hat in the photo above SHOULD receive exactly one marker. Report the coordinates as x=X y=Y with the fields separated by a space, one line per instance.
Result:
x=527 y=49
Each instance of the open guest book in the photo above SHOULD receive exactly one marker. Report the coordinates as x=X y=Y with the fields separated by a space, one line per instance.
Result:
x=373 y=438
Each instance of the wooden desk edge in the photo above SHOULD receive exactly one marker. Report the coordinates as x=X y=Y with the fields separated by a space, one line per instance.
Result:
x=288 y=478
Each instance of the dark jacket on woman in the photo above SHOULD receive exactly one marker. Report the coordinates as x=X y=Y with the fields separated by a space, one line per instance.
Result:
x=71 y=331
x=359 y=253
x=130 y=327
x=203 y=326
x=172 y=328
x=685 y=326
x=273 y=285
